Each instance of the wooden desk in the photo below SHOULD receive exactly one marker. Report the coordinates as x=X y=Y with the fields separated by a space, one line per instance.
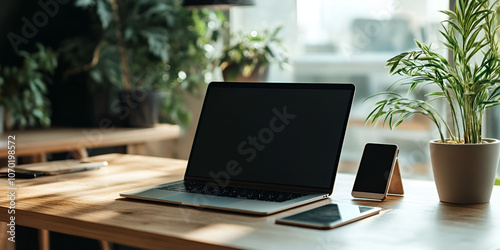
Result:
x=87 y=204
x=37 y=143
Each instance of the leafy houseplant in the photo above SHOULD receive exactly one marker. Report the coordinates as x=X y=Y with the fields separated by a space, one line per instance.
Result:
x=469 y=84
x=250 y=55
x=155 y=47
x=24 y=88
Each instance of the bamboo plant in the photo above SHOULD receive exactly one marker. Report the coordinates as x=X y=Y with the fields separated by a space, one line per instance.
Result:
x=469 y=83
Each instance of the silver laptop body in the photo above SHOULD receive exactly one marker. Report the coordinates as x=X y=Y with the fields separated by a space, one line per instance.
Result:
x=261 y=148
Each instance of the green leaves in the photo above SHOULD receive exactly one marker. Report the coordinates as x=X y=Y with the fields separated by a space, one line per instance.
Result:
x=468 y=87
x=84 y=3
x=256 y=49
x=167 y=48
x=24 y=88
x=157 y=39
x=104 y=12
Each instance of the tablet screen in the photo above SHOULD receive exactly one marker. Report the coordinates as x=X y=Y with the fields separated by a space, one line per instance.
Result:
x=329 y=216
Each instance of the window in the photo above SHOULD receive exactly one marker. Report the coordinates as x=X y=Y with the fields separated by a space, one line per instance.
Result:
x=350 y=41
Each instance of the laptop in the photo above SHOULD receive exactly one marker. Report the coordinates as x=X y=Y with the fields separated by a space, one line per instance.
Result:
x=261 y=148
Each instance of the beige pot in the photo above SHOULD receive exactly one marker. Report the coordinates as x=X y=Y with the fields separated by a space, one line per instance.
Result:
x=465 y=173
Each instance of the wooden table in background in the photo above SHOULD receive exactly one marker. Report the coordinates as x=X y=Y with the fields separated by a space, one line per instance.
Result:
x=88 y=204
x=36 y=143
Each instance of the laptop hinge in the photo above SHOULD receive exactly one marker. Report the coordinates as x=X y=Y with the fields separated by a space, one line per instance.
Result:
x=271 y=187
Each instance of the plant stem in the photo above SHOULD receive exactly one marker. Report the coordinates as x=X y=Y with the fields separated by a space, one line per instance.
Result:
x=455 y=133
x=86 y=67
x=121 y=46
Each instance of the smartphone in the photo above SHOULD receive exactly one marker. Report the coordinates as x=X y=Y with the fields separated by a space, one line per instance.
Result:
x=329 y=216
x=375 y=171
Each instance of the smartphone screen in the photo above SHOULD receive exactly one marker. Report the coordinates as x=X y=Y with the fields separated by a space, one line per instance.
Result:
x=375 y=169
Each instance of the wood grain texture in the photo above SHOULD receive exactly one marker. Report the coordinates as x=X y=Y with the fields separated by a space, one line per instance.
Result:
x=40 y=141
x=88 y=204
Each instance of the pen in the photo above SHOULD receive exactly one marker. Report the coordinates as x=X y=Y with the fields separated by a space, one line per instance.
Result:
x=22 y=175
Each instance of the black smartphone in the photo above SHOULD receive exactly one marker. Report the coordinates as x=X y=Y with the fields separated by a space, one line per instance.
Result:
x=375 y=171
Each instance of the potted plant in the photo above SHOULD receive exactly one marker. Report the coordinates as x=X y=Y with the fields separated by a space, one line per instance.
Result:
x=463 y=162
x=23 y=91
x=151 y=51
x=248 y=56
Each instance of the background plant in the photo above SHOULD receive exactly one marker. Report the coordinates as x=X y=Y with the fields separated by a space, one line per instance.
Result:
x=148 y=44
x=24 y=88
x=247 y=51
x=468 y=87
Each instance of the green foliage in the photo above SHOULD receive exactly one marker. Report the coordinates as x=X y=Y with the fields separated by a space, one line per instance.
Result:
x=468 y=85
x=24 y=88
x=255 y=49
x=167 y=49
x=497 y=181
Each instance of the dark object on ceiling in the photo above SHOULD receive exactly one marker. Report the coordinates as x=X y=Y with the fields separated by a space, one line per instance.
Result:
x=216 y=4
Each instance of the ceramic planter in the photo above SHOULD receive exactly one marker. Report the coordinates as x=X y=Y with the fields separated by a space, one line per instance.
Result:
x=465 y=173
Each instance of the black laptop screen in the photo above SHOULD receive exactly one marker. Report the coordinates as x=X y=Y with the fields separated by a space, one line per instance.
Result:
x=286 y=134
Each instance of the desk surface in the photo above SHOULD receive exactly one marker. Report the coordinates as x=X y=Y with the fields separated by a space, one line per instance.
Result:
x=87 y=204
x=69 y=139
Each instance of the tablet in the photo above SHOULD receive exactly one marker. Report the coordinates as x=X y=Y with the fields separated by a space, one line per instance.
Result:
x=329 y=216
x=59 y=167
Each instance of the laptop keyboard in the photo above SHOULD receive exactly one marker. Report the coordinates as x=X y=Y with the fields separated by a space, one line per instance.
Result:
x=236 y=192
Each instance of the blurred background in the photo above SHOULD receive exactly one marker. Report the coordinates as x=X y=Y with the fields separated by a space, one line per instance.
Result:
x=77 y=64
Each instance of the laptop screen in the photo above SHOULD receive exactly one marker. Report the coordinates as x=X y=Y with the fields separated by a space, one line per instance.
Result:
x=271 y=133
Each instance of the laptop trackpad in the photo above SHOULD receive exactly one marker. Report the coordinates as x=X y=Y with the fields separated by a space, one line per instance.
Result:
x=200 y=199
